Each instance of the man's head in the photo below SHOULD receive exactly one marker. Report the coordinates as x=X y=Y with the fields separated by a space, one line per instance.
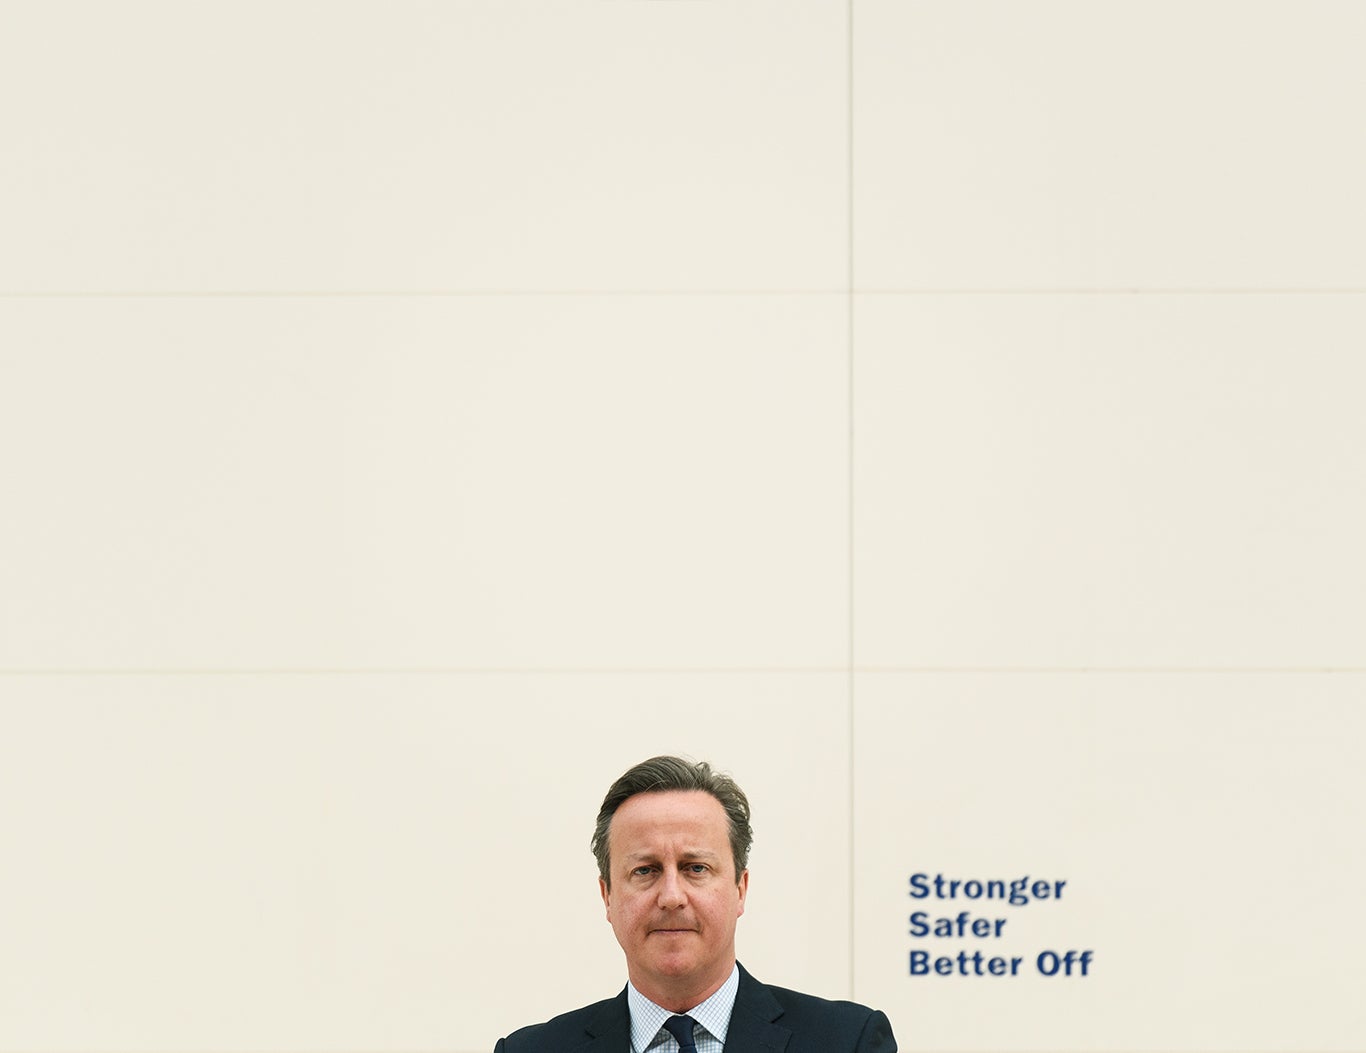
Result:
x=661 y=775
x=672 y=842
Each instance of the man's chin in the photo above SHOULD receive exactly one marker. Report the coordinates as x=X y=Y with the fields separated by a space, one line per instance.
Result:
x=674 y=965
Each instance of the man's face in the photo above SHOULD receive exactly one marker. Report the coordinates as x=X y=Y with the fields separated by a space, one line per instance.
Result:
x=674 y=898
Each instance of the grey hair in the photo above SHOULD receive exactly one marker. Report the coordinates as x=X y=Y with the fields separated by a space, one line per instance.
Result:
x=665 y=774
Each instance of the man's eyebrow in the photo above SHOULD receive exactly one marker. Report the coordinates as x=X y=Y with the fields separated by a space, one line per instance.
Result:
x=686 y=853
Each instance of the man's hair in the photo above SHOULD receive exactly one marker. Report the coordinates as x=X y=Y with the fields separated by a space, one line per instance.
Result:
x=663 y=775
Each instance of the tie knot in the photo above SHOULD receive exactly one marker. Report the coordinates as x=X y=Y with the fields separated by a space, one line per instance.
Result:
x=681 y=1028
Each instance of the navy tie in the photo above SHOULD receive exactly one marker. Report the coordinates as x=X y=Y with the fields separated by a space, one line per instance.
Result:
x=681 y=1028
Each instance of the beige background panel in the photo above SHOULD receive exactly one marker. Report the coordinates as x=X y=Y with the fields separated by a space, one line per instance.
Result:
x=503 y=481
x=1206 y=826
x=365 y=146
x=345 y=863
x=1110 y=481
x=1063 y=143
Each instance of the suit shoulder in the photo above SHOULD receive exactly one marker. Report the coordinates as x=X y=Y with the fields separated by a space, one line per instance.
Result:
x=836 y=1024
x=796 y=1003
x=558 y=1033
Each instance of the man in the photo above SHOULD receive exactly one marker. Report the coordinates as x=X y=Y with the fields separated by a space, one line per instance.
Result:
x=672 y=843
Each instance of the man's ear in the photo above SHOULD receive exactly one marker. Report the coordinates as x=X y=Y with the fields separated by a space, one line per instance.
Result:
x=606 y=897
x=743 y=885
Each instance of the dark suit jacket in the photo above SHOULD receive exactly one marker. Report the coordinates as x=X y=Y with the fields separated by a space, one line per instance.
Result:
x=765 y=1020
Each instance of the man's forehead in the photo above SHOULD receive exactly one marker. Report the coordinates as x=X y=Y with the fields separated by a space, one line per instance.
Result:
x=671 y=806
x=690 y=814
x=670 y=827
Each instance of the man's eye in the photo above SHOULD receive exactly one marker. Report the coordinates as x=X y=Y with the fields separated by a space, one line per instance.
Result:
x=697 y=868
x=642 y=871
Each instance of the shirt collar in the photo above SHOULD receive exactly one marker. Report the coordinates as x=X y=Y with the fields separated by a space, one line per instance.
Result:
x=713 y=1014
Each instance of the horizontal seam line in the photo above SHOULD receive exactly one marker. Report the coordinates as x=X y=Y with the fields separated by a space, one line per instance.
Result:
x=398 y=294
x=670 y=670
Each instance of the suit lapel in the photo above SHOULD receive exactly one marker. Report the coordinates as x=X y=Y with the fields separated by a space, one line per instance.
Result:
x=752 y=1024
x=751 y=1029
x=610 y=1030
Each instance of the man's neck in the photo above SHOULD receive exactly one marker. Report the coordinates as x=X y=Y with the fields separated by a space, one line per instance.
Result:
x=683 y=997
x=712 y=1014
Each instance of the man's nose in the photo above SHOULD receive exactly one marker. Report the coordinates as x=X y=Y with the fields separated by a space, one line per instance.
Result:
x=671 y=893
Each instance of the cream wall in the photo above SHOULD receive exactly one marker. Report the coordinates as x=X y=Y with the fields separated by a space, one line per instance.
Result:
x=946 y=416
